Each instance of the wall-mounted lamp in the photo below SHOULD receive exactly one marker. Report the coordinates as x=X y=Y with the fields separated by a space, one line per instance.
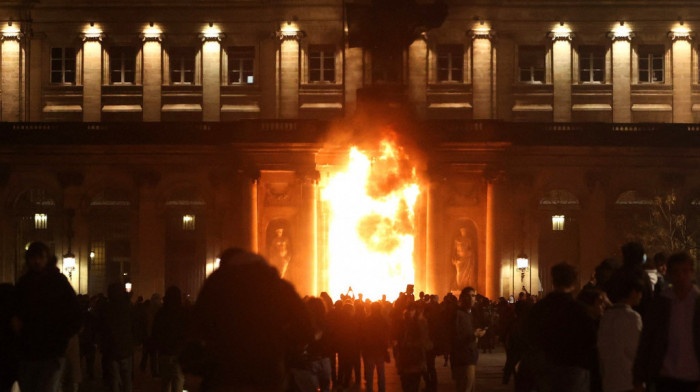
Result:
x=128 y=287
x=558 y=222
x=69 y=263
x=523 y=263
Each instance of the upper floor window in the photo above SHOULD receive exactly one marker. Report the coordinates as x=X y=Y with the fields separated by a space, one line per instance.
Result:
x=651 y=63
x=322 y=64
x=241 y=65
x=63 y=65
x=531 y=64
x=591 y=64
x=122 y=65
x=182 y=65
x=450 y=63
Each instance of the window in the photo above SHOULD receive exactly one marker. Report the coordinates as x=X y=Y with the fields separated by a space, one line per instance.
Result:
x=63 y=65
x=122 y=65
x=651 y=63
x=531 y=64
x=322 y=64
x=241 y=61
x=182 y=65
x=450 y=63
x=591 y=64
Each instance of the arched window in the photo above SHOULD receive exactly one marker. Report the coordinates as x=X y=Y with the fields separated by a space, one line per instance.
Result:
x=634 y=198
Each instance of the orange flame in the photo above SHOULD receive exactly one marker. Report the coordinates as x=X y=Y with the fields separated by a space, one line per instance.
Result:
x=371 y=207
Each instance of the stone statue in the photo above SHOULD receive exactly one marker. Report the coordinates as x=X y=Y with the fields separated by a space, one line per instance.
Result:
x=279 y=251
x=463 y=258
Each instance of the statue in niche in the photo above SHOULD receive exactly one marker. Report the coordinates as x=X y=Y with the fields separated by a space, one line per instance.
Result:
x=279 y=246
x=464 y=257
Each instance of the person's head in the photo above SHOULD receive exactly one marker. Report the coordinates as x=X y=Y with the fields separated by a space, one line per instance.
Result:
x=681 y=269
x=238 y=256
x=604 y=271
x=173 y=296
x=37 y=256
x=467 y=298
x=116 y=292
x=626 y=287
x=633 y=254
x=564 y=277
x=660 y=262
x=594 y=300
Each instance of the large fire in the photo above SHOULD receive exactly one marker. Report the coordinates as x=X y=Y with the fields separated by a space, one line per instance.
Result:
x=371 y=207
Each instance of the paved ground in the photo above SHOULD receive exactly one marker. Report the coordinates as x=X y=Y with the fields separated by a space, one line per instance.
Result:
x=488 y=378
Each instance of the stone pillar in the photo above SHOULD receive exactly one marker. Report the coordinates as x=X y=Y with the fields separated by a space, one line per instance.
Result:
x=308 y=283
x=211 y=76
x=249 y=180
x=418 y=76
x=682 y=76
x=482 y=74
x=92 y=77
x=491 y=275
x=152 y=76
x=35 y=77
x=561 y=75
x=621 y=76
x=353 y=78
x=150 y=248
x=288 y=74
x=431 y=235
x=11 y=76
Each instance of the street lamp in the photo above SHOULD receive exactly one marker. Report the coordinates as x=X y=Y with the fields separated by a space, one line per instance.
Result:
x=522 y=262
x=69 y=263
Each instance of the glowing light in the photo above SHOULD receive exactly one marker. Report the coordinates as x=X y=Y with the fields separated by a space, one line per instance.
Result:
x=92 y=254
x=522 y=262
x=69 y=264
x=211 y=32
x=371 y=210
x=152 y=32
x=41 y=221
x=558 y=222
x=128 y=287
x=621 y=31
x=92 y=31
x=188 y=222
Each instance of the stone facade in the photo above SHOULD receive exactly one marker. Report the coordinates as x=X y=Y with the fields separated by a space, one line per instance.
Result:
x=579 y=92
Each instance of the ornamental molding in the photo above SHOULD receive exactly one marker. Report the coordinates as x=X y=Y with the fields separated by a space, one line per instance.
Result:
x=92 y=37
x=681 y=35
x=212 y=37
x=297 y=35
x=151 y=37
x=617 y=36
x=11 y=36
x=482 y=33
x=561 y=35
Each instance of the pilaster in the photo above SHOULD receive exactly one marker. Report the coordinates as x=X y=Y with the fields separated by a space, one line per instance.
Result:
x=152 y=75
x=482 y=73
x=11 y=75
x=288 y=73
x=561 y=74
x=92 y=76
x=682 y=77
x=211 y=76
x=621 y=74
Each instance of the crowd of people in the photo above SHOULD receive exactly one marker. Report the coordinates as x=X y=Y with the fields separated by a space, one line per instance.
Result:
x=632 y=327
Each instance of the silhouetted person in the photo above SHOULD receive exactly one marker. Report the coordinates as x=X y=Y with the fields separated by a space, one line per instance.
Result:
x=375 y=347
x=669 y=349
x=412 y=344
x=348 y=343
x=8 y=337
x=48 y=315
x=117 y=338
x=464 y=336
x=320 y=350
x=561 y=337
x=657 y=271
x=169 y=335
x=247 y=318
x=618 y=334
x=633 y=259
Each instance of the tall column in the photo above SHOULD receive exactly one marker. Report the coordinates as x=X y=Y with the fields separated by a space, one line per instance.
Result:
x=561 y=75
x=431 y=244
x=418 y=75
x=92 y=76
x=151 y=244
x=353 y=78
x=11 y=63
x=682 y=76
x=288 y=73
x=152 y=75
x=482 y=74
x=491 y=269
x=621 y=75
x=309 y=222
x=35 y=75
x=211 y=76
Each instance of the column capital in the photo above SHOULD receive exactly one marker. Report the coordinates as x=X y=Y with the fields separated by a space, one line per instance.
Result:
x=151 y=37
x=212 y=37
x=11 y=36
x=681 y=35
x=482 y=33
x=561 y=35
x=621 y=35
x=92 y=37
x=286 y=35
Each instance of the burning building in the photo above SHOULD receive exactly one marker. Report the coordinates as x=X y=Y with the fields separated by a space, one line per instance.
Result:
x=361 y=143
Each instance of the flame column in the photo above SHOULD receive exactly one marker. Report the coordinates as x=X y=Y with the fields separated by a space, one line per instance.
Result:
x=11 y=76
x=152 y=75
x=92 y=76
x=482 y=80
x=682 y=76
x=288 y=73
x=621 y=75
x=561 y=72
x=211 y=76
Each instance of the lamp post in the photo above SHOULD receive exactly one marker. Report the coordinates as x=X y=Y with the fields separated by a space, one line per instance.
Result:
x=523 y=263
